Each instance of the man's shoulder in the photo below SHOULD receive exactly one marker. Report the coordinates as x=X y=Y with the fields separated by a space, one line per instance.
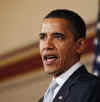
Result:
x=85 y=77
x=90 y=79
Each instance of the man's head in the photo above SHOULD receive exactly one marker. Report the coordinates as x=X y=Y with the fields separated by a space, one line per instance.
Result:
x=62 y=40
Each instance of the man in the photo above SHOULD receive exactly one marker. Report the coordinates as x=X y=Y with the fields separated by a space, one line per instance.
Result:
x=62 y=41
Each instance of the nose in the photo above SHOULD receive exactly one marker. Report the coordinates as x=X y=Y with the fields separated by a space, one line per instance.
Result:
x=49 y=45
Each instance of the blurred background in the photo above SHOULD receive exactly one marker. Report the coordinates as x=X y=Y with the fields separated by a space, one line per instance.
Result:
x=21 y=76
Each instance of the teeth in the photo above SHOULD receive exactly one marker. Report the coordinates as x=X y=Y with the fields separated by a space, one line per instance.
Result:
x=49 y=57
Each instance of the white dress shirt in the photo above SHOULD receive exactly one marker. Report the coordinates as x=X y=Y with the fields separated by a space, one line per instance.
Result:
x=64 y=77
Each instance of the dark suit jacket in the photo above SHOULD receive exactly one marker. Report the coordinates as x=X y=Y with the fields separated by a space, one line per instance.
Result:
x=80 y=87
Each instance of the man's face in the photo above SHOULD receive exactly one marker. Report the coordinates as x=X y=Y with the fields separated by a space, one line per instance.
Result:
x=57 y=46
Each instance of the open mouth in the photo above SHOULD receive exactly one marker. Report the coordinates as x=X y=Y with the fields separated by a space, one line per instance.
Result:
x=50 y=59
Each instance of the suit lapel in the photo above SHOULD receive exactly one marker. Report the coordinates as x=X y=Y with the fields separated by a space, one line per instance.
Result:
x=64 y=92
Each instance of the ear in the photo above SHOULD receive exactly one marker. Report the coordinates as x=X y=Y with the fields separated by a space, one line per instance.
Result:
x=80 y=45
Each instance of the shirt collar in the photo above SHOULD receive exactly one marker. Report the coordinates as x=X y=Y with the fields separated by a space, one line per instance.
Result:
x=64 y=77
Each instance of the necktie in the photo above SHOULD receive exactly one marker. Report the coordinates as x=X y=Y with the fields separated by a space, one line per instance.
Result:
x=50 y=92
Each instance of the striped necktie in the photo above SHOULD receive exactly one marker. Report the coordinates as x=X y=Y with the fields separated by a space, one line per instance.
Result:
x=50 y=92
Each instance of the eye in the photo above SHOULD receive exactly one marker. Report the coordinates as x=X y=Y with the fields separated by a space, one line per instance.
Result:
x=42 y=36
x=59 y=36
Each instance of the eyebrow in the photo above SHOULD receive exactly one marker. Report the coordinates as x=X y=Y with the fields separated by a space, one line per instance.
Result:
x=58 y=34
x=55 y=33
x=42 y=33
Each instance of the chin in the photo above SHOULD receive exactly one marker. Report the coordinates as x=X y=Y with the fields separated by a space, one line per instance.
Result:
x=53 y=73
x=49 y=71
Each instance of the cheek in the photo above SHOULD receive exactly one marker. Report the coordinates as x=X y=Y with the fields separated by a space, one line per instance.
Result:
x=63 y=55
x=62 y=49
x=62 y=52
x=65 y=51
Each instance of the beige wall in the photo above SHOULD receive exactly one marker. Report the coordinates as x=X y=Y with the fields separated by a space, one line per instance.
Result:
x=28 y=88
x=20 y=20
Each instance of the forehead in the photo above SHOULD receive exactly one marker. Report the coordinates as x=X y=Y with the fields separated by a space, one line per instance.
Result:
x=54 y=25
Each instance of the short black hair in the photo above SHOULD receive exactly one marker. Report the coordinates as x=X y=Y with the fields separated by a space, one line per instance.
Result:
x=78 y=25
